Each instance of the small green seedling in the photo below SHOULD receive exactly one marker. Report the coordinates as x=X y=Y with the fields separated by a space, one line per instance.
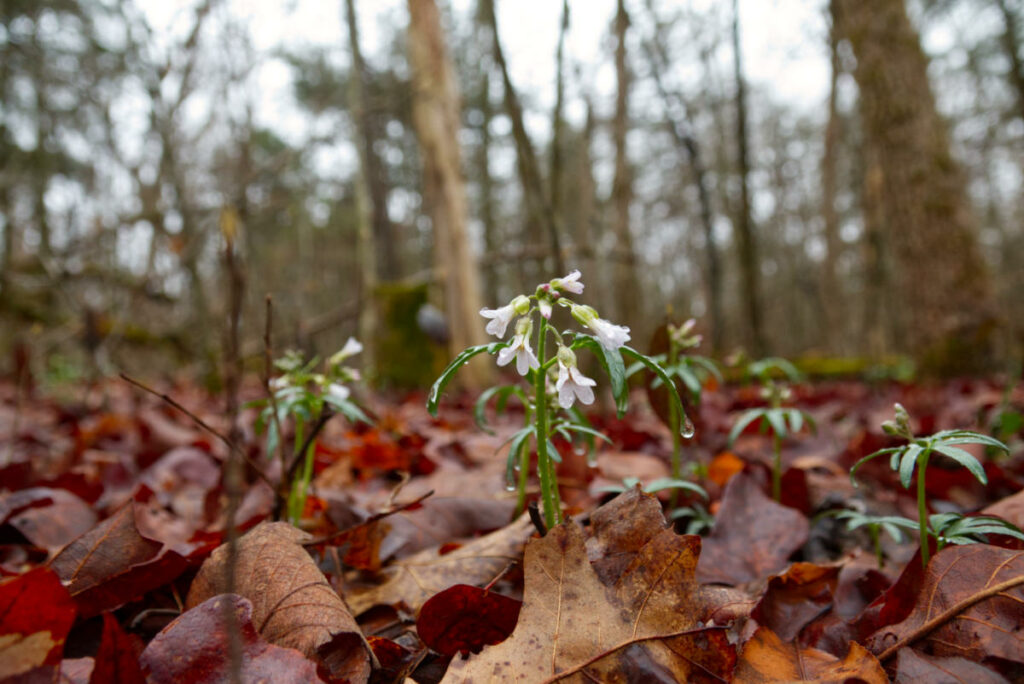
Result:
x=309 y=399
x=693 y=371
x=701 y=520
x=876 y=524
x=657 y=485
x=779 y=420
x=954 y=528
x=915 y=455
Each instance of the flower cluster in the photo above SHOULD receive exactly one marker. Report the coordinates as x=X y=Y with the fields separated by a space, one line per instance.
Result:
x=571 y=383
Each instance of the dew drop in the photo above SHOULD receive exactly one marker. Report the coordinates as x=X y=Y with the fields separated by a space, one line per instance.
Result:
x=688 y=430
x=510 y=487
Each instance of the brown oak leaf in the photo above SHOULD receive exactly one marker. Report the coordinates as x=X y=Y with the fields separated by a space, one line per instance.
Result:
x=766 y=658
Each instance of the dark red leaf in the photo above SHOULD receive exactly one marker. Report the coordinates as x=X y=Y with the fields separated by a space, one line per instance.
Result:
x=117 y=660
x=464 y=619
x=194 y=649
x=36 y=614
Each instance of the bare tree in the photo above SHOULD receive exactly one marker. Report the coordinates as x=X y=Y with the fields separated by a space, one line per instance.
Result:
x=625 y=276
x=436 y=119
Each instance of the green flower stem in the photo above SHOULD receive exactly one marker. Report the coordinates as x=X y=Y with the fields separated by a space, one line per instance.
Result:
x=677 y=445
x=545 y=471
x=524 y=477
x=922 y=507
x=776 y=467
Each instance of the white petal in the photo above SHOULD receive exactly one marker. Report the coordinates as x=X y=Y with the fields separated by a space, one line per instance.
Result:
x=566 y=396
x=563 y=375
x=522 y=361
x=506 y=355
x=585 y=394
x=581 y=379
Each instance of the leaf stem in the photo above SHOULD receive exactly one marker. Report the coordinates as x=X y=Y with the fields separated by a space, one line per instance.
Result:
x=548 y=484
x=776 y=467
x=922 y=506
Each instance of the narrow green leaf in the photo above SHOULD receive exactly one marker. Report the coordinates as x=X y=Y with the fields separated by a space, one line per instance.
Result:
x=613 y=365
x=675 y=483
x=480 y=407
x=964 y=458
x=777 y=419
x=746 y=419
x=796 y=419
x=515 y=450
x=907 y=464
x=434 y=397
x=660 y=372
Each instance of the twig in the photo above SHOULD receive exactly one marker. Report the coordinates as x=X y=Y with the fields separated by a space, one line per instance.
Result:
x=201 y=423
x=949 y=614
x=325 y=415
x=537 y=519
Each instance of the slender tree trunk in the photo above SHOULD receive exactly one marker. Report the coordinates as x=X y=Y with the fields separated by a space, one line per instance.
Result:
x=558 y=123
x=374 y=174
x=1011 y=44
x=625 y=273
x=436 y=119
x=537 y=204
x=916 y=195
x=749 y=264
x=486 y=181
x=682 y=134
x=830 y=294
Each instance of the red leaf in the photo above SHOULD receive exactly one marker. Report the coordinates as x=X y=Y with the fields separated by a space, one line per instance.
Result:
x=117 y=660
x=464 y=618
x=194 y=649
x=113 y=564
x=36 y=614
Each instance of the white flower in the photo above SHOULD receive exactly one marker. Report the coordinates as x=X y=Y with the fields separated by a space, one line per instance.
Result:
x=570 y=283
x=544 y=305
x=280 y=382
x=338 y=392
x=572 y=384
x=520 y=349
x=610 y=336
x=351 y=348
x=501 y=317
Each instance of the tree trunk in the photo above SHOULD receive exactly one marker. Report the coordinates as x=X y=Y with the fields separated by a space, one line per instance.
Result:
x=1011 y=45
x=374 y=175
x=682 y=134
x=625 y=274
x=830 y=293
x=558 y=123
x=436 y=120
x=945 y=292
x=749 y=265
x=538 y=207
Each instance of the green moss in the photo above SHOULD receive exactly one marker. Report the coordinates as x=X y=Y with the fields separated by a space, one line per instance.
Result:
x=405 y=357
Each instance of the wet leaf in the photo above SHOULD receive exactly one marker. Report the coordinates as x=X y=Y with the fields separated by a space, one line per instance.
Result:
x=113 y=563
x=117 y=660
x=464 y=619
x=573 y=626
x=795 y=598
x=766 y=658
x=47 y=517
x=415 y=579
x=36 y=614
x=292 y=603
x=912 y=666
x=970 y=604
x=753 y=536
x=194 y=649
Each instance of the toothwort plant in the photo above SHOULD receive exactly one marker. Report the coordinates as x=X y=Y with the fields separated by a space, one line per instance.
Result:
x=309 y=399
x=555 y=382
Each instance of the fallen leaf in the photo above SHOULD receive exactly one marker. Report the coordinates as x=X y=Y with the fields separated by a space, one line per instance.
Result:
x=47 y=517
x=113 y=563
x=572 y=627
x=621 y=529
x=794 y=598
x=292 y=603
x=971 y=604
x=464 y=619
x=117 y=659
x=194 y=649
x=753 y=536
x=36 y=614
x=766 y=658
x=912 y=666
x=415 y=579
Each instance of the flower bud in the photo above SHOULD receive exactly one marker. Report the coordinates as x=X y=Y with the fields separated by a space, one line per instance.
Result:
x=521 y=304
x=583 y=313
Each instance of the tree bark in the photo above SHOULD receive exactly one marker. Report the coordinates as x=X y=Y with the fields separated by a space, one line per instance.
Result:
x=749 y=264
x=538 y=206
x=915 y=194
x=625 y=274
x=436 y=120
x=556 y=179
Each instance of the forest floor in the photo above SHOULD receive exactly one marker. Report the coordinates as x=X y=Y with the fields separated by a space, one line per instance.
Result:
x=411 y=562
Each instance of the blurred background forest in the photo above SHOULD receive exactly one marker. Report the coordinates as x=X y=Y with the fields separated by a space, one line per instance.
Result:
x=164 y=166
